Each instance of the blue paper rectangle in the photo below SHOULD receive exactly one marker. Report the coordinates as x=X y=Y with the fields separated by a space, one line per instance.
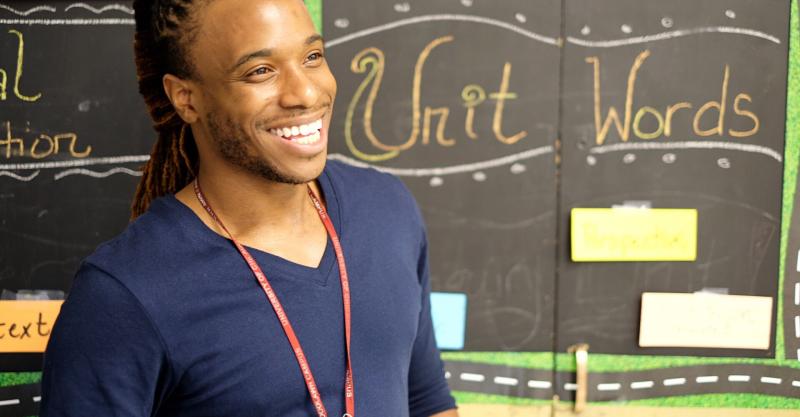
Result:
x=449 y=312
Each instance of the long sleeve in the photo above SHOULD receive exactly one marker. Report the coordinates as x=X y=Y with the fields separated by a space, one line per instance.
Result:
x=427 y=387
x=105 y=357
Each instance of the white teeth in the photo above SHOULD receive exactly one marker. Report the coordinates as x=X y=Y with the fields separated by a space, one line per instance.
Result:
x=307 y=140
x=309 y=130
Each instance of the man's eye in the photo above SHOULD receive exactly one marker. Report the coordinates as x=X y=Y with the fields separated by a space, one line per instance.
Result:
x=260 y=71
x=315 y=56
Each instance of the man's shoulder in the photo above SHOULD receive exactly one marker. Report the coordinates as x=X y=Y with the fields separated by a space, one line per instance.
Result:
x=147 y=242
x=361 y=181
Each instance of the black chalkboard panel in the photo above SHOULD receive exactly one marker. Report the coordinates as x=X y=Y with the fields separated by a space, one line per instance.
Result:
x=76 y=88
x=670 y=59
x=460 y=99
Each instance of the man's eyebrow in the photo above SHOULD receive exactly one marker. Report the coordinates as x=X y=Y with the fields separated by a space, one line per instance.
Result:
x=266 y=52
x=313 y=38
x=261 y=53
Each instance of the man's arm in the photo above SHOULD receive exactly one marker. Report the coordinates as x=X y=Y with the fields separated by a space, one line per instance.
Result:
x=104 y=357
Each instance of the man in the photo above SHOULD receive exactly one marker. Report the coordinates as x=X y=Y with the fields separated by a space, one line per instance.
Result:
x=172 y=318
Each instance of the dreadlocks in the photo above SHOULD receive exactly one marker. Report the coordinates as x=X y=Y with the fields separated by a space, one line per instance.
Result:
x=164 y=31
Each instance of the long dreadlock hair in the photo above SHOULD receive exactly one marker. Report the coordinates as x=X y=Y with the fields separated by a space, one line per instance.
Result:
x=164 y=31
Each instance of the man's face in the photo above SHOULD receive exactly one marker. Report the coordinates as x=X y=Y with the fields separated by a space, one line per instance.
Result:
x=267 y=91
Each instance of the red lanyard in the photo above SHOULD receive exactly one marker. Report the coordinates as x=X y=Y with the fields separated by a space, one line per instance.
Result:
x=276 y=305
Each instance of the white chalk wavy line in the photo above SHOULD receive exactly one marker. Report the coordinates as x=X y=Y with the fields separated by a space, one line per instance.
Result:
x=672 y=34
x=455 y=169
x=78 y=162
x=439 y=18
x=688 y=145
x=95 y=10
x=29 y=11
x=18 y=177
x=82 y=171
x=68 y=22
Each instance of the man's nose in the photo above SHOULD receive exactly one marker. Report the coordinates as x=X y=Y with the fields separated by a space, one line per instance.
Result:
x=298 y=89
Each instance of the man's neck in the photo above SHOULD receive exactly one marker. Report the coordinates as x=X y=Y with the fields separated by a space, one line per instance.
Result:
x=253 y=207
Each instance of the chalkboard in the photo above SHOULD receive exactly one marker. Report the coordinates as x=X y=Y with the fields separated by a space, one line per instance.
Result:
x=706 y=87
x=486 y=111
x=73 y=134
x=460 y=100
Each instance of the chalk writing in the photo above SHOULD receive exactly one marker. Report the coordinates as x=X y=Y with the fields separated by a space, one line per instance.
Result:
x=664 y=122
x=18 y=74
x=426 y=121
x=40 y=147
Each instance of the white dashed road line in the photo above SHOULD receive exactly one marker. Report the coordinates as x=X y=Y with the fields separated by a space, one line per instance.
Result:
x=770 y=380
x=609 y=387
x=570 y=386
x=796 y=326
x=642 y=384
x=9 y=402
x=502 y=380
x=674 y=381
x=466 y=376
x=707 y=379
x=539 y=384
x=739 y=378
x=37 y=398
x=796 y=384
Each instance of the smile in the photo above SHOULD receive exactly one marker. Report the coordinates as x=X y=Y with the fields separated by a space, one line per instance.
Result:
x=303 y=134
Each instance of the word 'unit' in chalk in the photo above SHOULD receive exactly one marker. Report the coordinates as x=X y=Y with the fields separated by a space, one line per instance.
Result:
x=633 y=234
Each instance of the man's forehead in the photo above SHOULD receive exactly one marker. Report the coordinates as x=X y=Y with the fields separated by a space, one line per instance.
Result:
x=234 y=27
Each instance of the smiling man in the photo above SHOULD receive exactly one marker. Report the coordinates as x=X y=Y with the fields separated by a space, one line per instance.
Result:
x=258 y=278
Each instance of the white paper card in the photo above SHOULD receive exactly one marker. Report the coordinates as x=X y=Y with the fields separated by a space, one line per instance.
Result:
x=705 y=321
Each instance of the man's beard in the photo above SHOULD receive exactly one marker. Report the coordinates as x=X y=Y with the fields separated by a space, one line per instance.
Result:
x=231 y=141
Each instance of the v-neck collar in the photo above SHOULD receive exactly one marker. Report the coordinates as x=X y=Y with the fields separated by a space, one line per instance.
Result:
x=268 y=261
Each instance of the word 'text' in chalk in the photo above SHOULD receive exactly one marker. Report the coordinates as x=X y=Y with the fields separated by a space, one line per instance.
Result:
x=449 y=311
x=633 y=234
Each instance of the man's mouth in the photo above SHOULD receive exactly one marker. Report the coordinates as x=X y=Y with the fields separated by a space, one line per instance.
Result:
x=303 y=134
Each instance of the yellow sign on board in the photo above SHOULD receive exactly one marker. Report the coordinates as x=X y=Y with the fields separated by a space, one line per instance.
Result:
x=633 y=234
x=25 y=326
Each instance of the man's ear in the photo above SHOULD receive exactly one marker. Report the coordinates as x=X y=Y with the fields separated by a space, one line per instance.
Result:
x=181 y=94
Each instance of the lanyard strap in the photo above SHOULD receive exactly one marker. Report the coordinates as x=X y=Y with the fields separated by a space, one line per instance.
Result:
x=316 y=399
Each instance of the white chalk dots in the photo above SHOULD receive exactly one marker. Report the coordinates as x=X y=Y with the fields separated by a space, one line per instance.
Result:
x=479 y=176
x=626 y=28
x=402 y=7
x=585 y=30
x=518 y=168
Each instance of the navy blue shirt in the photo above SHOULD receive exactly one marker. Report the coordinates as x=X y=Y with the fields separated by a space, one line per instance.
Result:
x=168 y=320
